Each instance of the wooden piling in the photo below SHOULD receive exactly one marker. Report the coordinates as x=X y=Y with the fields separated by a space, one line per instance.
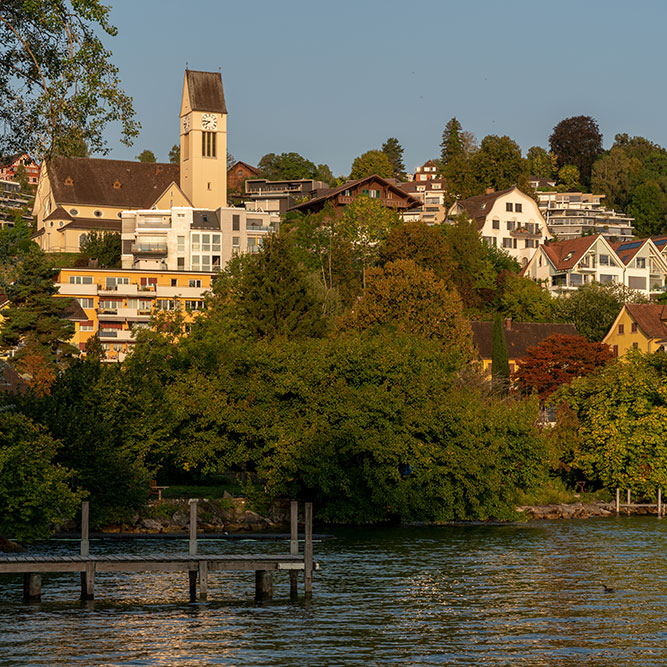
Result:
x=88 y=582
x=308 y=550
x=294 y=547
x=628 y=492
x=193 y=526
x=192 y=582
x=32 y=587
x=203 y=580
x=618 y=500
x=263 y=584
x=85 y=544
x=659 y=503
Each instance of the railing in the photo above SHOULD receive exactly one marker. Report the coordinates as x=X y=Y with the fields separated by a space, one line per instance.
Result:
x=150 y=248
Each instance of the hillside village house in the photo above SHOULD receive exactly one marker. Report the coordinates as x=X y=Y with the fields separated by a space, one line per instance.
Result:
x=78 y=195
x=238 y=173
x=427 y=172
x=639 y=326
x=375 y=187
x=567 y=265
x=278 y=197
x=432 y=194
x=507 y=219
x=10 y=167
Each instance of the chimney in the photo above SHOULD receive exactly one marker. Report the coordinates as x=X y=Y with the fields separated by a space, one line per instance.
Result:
x=508 y=323
x=489 y=191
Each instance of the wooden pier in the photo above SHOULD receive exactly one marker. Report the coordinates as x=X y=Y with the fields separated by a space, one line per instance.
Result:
x=197 y=566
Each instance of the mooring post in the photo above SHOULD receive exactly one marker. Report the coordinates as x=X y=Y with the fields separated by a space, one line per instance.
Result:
x=192 y=582
x=308 y=550
x=193 y=526
x=203 y=580
x=88 y=581
x=263 y=584
x=618 y=500
x=659 y=503
x=628 y=502
x=32 y=587
x=85 y=544
x=294 y=547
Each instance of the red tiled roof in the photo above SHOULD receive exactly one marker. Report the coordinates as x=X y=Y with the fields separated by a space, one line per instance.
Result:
x=478 y=207
x=565 y=254
x=651 y=318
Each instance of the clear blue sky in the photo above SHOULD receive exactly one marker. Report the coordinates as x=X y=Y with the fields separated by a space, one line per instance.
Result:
x=332 y=80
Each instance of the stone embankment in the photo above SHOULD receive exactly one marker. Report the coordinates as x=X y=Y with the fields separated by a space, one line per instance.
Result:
x=222 y=515
x=581 y=511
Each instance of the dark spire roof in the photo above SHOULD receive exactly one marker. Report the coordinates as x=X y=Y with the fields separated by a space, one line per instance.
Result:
x=206 y=93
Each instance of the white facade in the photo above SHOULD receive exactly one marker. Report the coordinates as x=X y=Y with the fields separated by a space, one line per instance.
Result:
x=188 y=239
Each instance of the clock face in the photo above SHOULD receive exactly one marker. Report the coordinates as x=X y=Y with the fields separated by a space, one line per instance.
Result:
x=186 y=123
x=209 y=121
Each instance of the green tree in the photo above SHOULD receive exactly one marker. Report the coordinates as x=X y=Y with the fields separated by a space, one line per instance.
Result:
x=593 y=308
x=412 y=299
x=286 y=166
x=366 y=223
x=500 y=365
x=622 y=424
x=105 y=247
x=540 y=163
x=577 y=141
x=648 y=206
x=568 y=179
x=394 y=152
x=370 y=163
x=451 y=146
x=58 y=86
x=324 y=174
x=498 y=163
x=34 y=314
x=613 y=175
x=175 y=154
x=524 y=300
x=36 y=493
x=146 y=156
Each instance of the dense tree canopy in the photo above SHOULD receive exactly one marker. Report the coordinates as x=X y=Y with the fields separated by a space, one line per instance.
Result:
x=577 y=141
x=105 y=247
x=372 y=162
x=499 y=164
x=540 y=163
x=58 y=87
x=286 y=166
x=394 y=152
x=146 y=156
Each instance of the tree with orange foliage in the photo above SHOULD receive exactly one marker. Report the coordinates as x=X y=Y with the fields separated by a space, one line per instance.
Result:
x=38 y=370
x=558 y=360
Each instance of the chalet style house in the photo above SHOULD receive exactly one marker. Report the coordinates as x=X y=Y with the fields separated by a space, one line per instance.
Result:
x=9 y=168
x=507 y=219
x=375 y=187
x=238 y=173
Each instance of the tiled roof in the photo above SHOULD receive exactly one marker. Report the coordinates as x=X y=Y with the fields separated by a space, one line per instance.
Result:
x=59 y=214
x=10 y=381
x=565 y=254
x=519 y=336
x=249 y=167
x=660 y=242
x=651 y=318
x=626 y=250
x=114 y=183
x=478 y=207
x=206 y=93
x=93 y=223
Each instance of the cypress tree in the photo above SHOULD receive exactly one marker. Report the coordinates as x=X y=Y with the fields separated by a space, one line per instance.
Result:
x=500 y=365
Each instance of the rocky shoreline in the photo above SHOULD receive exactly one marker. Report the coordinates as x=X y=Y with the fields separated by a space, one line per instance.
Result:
x=581 y=511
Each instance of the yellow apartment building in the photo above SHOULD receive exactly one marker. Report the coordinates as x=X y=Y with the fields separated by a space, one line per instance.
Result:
x=118 y=303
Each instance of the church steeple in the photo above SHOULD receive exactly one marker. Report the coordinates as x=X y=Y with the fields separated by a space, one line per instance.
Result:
x=204 y=139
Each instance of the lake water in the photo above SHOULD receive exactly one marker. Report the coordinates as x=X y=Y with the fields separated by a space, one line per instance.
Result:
x=476 y=595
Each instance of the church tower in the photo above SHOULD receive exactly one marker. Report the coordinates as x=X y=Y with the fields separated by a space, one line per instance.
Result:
x=204 y=140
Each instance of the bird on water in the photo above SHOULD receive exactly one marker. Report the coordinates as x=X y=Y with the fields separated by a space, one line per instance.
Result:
x=607 y=589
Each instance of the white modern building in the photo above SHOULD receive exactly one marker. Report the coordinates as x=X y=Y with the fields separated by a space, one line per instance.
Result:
x=188 y=239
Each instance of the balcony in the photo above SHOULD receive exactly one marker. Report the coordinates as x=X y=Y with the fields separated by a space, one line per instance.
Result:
x=118 y=290
x=155 y=223
x=149 y=248
x=117 y=335
x=525 y=233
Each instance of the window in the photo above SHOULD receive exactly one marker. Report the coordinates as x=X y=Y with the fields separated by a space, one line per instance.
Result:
x=82 y=239
x=604 y=260
x=194 y=283
x=73 y=211
x=615 y=350
x=236 y=223
x=252 y=244
x=530 y=243
x=576 y=279
x=194 y=305
x=195 y=242
x=206 y=242
x=86 y=303
x=80 y=280
x=215 y=242
x=174 y=282
x=509 y=206
x=166 y=304
x=518 y=208
x=87 y=326
x=507 y=243
x=208 y=144
x=180 y=244
x=621 y=329
x=496 y=224
x=97 y=214
x=633 y=327
x=641 y=262
x=236 y=241
x=636 y=282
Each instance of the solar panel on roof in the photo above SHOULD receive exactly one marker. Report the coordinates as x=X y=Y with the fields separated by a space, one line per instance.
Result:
x=629 y=246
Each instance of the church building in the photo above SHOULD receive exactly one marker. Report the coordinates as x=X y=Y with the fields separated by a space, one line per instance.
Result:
x=78 y=195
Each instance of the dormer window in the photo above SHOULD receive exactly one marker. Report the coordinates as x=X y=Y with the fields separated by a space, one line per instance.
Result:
x=569 y=256
x=116 y=185
x=69 y=181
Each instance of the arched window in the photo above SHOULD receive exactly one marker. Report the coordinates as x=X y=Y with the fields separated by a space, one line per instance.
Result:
x=82 y=239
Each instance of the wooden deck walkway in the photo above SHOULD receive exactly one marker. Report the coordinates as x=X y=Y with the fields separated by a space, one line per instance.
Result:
x=196 y=565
